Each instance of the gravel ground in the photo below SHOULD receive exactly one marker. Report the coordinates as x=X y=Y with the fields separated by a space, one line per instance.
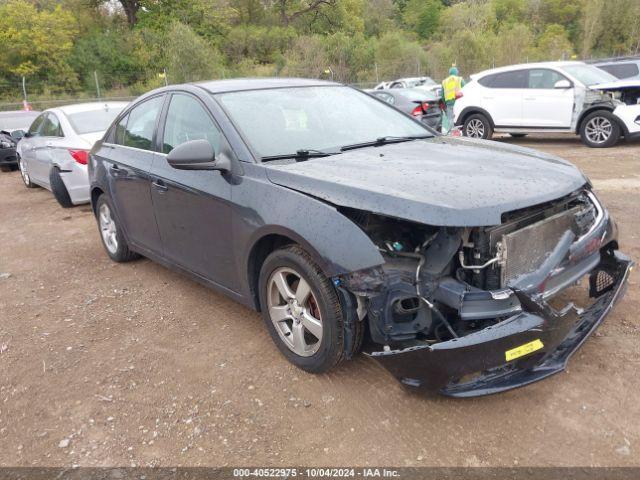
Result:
x=103 y=364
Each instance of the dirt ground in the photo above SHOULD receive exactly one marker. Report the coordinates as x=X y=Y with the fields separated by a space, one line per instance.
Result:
x=103 y=364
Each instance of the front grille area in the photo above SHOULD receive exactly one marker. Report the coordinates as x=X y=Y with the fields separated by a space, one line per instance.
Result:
x=524 y=250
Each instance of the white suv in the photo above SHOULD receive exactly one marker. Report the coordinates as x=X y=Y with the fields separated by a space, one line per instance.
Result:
x=570 y=97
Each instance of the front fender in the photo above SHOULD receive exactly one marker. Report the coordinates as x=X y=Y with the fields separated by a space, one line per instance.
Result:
x=337 y=244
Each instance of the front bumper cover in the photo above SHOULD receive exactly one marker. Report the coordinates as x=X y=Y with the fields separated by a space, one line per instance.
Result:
x=476 y=364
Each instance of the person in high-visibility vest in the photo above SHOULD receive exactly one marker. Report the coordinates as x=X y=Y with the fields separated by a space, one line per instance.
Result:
x=451 y=87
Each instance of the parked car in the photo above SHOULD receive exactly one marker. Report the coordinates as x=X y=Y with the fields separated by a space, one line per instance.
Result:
x=55 y=149
x=12 y=127
x=339 y=217
x=422 y=83
x=421 y=104
x=620 y=67
x=561 y=97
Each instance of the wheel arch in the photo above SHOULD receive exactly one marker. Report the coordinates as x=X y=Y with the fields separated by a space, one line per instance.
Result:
x=593 y=109
x=95 y=194
x=468 y=111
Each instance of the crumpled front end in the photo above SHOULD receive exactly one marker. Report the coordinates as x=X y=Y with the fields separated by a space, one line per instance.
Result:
x=468 y=312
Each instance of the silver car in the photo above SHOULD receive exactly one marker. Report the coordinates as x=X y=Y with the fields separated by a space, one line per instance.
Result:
x=54 y=151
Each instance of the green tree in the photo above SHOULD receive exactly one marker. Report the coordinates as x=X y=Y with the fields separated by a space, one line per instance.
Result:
x=554 y=44
x=422 y=16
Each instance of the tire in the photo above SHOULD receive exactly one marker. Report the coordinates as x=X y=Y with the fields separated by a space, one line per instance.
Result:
x=600 y=129
x=477 y=126
x=111 y=234
x=306 y=348
x=24 y=173
x=5 y=168
x=59 y=189
x=518 y=135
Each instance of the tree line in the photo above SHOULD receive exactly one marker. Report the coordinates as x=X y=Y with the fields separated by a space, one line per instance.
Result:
x=57 y=45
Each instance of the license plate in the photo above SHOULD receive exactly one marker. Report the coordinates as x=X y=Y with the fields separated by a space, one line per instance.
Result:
x=523 y=350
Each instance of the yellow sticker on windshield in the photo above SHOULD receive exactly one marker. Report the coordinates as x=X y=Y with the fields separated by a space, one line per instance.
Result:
x=523 y=350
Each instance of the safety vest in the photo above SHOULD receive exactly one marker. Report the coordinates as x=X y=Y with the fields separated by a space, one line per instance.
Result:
x=451 y=86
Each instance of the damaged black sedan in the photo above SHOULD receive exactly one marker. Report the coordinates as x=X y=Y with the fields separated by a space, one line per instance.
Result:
x=464 y=267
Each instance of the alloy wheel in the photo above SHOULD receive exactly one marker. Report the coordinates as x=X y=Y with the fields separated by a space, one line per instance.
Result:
x=108 y=229
x=475 y=128
x=598 y=130
x=294 y=311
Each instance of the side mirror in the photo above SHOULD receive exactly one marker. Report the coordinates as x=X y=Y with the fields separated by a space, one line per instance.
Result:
x=562 y=84
x=197 y=155
x=18 y=134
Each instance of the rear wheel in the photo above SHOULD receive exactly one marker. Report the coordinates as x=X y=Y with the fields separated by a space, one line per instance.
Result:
x=25 y=174
x=110 y=232
x=600 y=129
x=301 y=309
x=477 y=126
x=59 y=189
x=5 y=168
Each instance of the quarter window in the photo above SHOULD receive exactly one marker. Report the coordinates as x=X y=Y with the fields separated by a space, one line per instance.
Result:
x=140 y=124
x=544 y=78
x=188 y=120
x=515 y=79
x=35 y=126
x=386 y=97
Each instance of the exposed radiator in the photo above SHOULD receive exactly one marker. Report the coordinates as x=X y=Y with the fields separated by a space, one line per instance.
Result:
x=524 y=250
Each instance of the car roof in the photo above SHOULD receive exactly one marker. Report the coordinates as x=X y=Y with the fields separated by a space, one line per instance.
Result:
x=520 y=66
x=88 y=107
x=244 y=84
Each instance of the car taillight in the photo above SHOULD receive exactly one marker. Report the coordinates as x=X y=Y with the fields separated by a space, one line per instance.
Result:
x=416 y=112
x=80 y=156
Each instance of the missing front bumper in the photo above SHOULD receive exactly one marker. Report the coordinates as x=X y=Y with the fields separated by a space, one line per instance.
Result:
x=477 y=364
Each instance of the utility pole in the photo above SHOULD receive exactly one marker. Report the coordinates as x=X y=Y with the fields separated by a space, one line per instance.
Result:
x=166 y=81
x=376 y=67
x=95 y=77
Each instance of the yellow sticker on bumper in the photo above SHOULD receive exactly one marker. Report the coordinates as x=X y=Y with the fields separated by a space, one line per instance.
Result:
x=523 y=350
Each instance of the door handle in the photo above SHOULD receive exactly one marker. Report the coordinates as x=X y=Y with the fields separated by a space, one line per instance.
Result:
x=160 y=185
x=116 y=171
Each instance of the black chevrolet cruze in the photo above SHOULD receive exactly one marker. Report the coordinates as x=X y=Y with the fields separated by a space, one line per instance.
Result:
x=351 y=226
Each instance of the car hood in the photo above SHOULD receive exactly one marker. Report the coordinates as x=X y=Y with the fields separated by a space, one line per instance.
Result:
x=625 y=84
x=441 y=181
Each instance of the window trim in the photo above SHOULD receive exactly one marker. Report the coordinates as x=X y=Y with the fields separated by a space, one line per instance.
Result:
x=36 y=133
x=60 y=131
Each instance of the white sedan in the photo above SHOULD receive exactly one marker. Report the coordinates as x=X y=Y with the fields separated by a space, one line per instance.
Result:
x=54 y=151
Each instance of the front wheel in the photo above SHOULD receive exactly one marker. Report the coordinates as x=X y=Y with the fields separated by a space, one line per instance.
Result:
x=477 y=126
x=301 y=309
x=600 y=129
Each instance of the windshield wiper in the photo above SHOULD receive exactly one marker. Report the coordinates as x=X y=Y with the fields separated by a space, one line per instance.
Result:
x=384 y=141
x=302 y=153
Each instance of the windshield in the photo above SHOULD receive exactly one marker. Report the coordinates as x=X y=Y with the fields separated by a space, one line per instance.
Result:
x=286 y=120
x=93 y=120
x=588 y=74
x=17 y=120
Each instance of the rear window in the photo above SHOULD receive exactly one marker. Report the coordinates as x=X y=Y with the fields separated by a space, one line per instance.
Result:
x=515 y=79
x=94 y=120
x=621 y=70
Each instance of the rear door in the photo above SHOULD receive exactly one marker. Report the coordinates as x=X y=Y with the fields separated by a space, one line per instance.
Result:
x=193 y=208
x=544 y=105
x=50 y=138
x=128 y=161
x=30 y=143
x=502 y=97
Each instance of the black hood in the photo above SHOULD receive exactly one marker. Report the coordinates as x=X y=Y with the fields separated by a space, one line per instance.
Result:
x=439 y=181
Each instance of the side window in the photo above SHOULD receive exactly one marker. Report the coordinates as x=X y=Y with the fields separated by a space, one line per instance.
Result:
x=34 y=129
x=544 y=78
x=140 y=124
x=515 y=79
x=188 y=120
x=385 y=97
x=621 y=70
x=51 y=126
